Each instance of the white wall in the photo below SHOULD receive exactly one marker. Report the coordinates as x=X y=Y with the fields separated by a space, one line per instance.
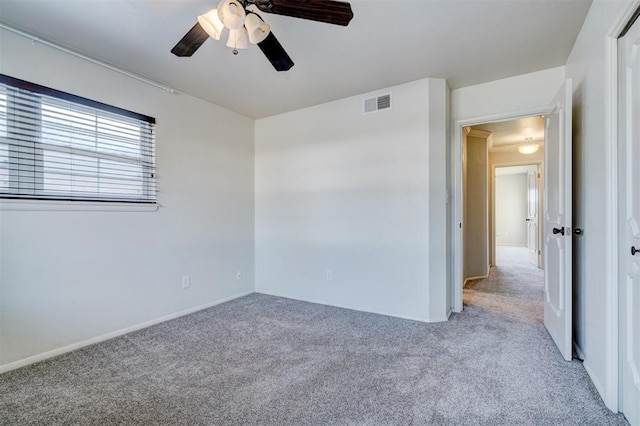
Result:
x=359 y=195
x=66 y=277
x=440 y=302
x=511 y=209
x=589 y=67
x=513 y=94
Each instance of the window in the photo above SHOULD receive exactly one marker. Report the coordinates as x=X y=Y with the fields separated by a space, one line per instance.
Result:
x=57 y=146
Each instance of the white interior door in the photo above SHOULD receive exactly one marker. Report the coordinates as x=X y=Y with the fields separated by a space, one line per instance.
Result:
x=557 y=221
x=532 y=215
x=629 y=224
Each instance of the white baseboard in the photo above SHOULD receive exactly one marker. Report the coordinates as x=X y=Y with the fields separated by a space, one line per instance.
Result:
x=353 y=308
x=479 y=277
x=74 y=346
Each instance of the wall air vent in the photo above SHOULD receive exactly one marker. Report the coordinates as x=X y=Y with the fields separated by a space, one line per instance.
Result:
x=377 y=103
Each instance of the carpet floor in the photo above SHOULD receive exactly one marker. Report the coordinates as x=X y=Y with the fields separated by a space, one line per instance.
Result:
x=263 y=360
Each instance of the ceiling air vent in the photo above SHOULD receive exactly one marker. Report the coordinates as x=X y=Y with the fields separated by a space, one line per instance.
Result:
x=377 y=104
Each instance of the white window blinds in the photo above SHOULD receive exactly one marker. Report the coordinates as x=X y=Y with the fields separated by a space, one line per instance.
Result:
x=57 y=146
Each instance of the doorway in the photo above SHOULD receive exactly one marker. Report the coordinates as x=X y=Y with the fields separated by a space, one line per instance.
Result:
x=503 y=192
x=558 y=230
x=516 y=213
x=513 y=148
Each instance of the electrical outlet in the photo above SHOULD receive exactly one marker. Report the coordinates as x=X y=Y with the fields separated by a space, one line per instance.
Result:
x=238 y=275
x=186 y=282
x=329 y=275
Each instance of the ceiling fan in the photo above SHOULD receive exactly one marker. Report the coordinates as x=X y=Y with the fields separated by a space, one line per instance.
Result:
x=245 y=26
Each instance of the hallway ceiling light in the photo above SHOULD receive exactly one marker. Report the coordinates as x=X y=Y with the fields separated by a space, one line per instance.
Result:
x=528 y=147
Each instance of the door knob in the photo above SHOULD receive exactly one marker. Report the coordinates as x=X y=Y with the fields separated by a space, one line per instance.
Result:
x=634 y=251
x=577 y=231
x=558 y=231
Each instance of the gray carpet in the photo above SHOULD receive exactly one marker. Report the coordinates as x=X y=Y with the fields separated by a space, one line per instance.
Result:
x=515 y=287
x=263 y=360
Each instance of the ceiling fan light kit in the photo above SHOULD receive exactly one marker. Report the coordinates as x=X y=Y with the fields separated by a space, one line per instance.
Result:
x=238 y=39
x=246 y=26
x=258 y=29
x=232 y=14
x=211 y=23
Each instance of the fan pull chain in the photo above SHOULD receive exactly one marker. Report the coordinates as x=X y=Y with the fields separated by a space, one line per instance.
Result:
x=235 y=35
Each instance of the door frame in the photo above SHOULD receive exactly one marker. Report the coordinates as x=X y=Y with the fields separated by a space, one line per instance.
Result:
x=610 y=389
x=457 y=252
x=492 y=196
x=613 y=128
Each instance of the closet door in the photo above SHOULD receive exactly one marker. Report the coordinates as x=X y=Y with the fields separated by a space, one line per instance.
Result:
x=629 y=223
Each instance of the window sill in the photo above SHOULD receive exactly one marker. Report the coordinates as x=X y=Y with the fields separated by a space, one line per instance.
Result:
x=74 y=206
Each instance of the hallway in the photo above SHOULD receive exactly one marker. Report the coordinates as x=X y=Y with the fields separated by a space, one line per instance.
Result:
x=514 y=288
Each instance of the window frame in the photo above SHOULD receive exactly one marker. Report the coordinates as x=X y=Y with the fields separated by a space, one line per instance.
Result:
x=12 y=198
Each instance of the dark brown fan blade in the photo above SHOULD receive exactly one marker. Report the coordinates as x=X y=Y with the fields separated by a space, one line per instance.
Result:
x=275 y=53
x=329 y=11
x=191 y=41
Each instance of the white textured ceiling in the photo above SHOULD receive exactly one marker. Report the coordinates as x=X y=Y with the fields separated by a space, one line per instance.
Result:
x=387 y=43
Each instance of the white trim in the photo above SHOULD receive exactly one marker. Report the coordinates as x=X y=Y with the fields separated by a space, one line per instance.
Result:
x=458 y=280
x=518 y=163
x=610 y=392
x=456 y=219
x=320 y=302
x=74 y=346
x=504 y=116
x=64 y=205
x=479 y=277
x=478 y=133
x=48 y=43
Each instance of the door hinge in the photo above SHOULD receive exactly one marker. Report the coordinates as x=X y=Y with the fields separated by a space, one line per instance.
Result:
x=538 y=175
x=539 y=252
